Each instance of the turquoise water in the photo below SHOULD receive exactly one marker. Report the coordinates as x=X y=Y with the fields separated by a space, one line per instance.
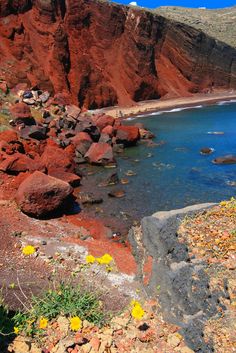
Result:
x=175 y=174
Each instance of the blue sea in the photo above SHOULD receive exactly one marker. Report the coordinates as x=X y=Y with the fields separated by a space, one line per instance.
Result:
x=174 y=174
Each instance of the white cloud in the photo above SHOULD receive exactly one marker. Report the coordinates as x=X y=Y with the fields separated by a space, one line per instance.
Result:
x=133 y=3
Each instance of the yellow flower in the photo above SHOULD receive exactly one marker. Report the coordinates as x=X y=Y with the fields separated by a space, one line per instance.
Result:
x=16 y=330
x=28 y=250
x=43 y=322
x=75 y=323
x=105 y=259
x=90 y=259
x=137 y=312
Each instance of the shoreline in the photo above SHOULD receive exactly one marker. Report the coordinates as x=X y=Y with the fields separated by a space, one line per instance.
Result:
x=147 y=107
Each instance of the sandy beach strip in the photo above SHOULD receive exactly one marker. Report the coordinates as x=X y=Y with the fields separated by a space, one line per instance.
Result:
x=146 y=107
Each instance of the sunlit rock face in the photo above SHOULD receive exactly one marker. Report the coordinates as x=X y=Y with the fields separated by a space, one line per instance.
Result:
x=100 y=54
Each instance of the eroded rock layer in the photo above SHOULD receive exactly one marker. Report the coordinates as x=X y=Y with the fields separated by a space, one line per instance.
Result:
x=100 y=54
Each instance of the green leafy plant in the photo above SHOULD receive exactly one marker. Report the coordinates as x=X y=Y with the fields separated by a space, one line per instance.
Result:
x=66 y=300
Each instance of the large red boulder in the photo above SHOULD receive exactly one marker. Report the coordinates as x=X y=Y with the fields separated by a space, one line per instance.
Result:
x=71 y=178
x=55 y=157
x=22 y=114
x=18 y=163
x=127 y=135
x=103 y=121
x=9 y=142
x=81 y=137
x=108 y=130
x=100 y=153
x=40 y=194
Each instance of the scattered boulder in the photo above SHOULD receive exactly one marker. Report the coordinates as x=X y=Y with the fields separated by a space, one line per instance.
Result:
x=109 y=130
x=73 y=111
x=229 y=159
x=89 y=199
x=22 y=114
x=105 y=138
x=70 y=178
x=81 y=137
x=36 y=132
x=112 y=179
x=100 y=153
x=55 y=157
x=127 y=135
x=40 y=194
x=103 y=121
x=44 y=97
x=18 y=163
x=146 y=134
x=206 y=150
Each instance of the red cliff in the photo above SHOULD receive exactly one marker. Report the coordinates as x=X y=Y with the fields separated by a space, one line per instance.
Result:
x=103 y=54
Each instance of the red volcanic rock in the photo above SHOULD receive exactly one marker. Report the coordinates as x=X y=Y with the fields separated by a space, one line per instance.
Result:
x=70 y=178
x=127 y=135
x=18 y=163
x=9 y=142
x=98 y=54
x=103 y=121
x=40 y=194
x=8 y=136
x=54 y=157
x=108 y=130
x=81 y=137
x=73 y=111
x=22 y=114
x=100 y=153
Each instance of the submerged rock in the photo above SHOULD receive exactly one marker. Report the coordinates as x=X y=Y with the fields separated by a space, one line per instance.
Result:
x=206 y=150
x=229 y=159
x=113 y=179
x=40 y=194
x=117 y=193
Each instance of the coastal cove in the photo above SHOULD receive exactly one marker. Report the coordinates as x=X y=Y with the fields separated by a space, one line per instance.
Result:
x=172 y=173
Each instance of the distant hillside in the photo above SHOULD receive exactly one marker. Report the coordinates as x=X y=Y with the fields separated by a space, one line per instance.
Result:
x=220 y=24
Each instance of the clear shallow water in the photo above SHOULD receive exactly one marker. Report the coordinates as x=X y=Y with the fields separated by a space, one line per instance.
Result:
x=177 y=175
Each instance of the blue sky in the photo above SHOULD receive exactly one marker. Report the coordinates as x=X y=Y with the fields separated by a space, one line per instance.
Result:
x=210 y=4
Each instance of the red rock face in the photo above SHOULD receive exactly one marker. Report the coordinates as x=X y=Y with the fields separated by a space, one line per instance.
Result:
x=40 y=194
x=100 y=54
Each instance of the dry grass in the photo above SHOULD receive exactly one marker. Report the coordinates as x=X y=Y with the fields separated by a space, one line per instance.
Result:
x=219 y=24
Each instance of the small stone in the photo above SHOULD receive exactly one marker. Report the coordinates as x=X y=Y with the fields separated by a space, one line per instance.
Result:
x=95 y=343
x=174 y=339
x=19 y=345
x=43 y=242
x=63 y=324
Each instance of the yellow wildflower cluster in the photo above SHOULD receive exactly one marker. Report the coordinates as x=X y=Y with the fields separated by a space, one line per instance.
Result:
x=28 y=250
x=137 y=311
x=43 y=323
x=231 y=204
x=90 y=259
x=75 y=323
x=106 y=259
x=16 y=330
